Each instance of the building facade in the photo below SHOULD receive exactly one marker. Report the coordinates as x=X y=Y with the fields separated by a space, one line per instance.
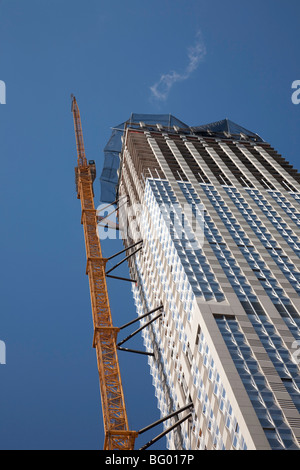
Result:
x=218 y=211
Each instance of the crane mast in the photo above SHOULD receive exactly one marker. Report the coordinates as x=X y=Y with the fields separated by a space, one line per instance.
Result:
x=117 y=433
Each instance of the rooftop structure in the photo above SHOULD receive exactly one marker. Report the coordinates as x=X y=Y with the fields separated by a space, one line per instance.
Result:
x=109 y=177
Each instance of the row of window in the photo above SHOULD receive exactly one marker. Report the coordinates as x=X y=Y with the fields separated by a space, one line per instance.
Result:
x=258 y=266
x=160 y=369
x=238 y=281
x=269 y=414
x=289 y=209
x=279 y=355
x=296 y=196
x=155 y=197
x=176 y=250
x=289 y=236
x=220 y=395
x=283 y=262
x=182 y=252
x=171 y=256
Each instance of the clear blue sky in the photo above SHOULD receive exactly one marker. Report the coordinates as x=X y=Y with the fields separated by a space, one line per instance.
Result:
x=207 y=60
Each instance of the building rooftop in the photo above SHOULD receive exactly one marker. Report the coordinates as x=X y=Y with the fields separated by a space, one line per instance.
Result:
x=225 y=129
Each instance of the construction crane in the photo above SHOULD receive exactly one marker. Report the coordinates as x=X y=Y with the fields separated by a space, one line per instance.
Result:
x=117 y=434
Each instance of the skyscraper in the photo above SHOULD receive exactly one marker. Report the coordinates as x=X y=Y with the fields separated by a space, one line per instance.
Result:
x=217 y=209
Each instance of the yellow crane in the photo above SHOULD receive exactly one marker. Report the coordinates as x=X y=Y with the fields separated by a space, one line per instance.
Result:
x=117 y=434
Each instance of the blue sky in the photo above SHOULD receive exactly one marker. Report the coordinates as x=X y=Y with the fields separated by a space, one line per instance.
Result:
x=200 y=60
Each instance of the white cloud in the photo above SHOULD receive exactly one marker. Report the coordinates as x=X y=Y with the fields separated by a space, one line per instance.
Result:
x=161 y=89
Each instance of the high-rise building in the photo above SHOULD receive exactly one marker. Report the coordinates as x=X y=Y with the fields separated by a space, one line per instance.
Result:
x=218 y=211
